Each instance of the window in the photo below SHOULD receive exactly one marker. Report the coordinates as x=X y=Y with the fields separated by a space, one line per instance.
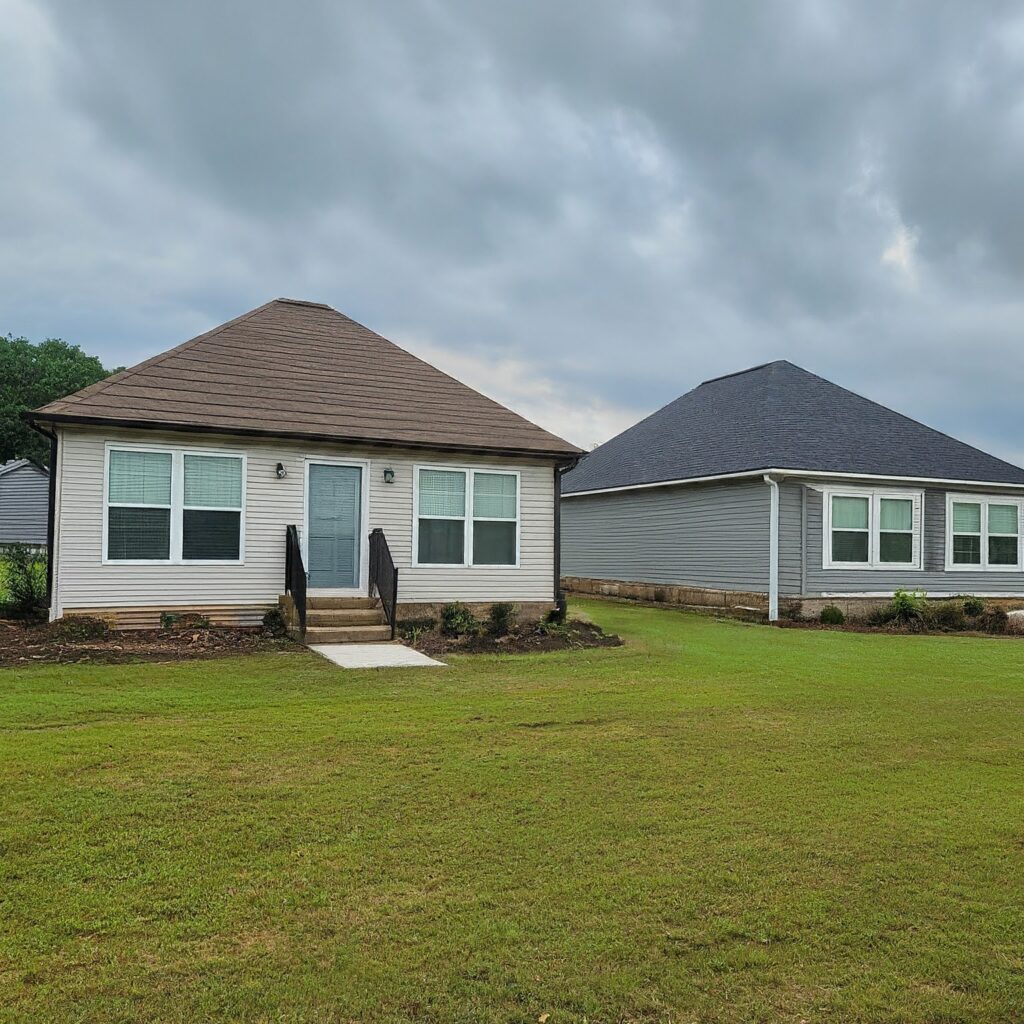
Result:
x=983 y=533
x=895 y=531
x=139 y=506
x=467 y=517
x=173 y=506
x=494 y=519
x=442 y=517
x=871 y=529
x=851 y=529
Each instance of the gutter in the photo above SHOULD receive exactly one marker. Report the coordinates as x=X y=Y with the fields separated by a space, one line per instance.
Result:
x=808 y=474
x=560 y=470
x=51 y=510
x=773 y=550
x=33 y=418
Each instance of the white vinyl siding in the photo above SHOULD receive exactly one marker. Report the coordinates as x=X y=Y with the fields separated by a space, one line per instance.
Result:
x=271 y=504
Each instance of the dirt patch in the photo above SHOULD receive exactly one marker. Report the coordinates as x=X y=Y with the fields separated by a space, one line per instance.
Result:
x=57 y=643
x=574 y=635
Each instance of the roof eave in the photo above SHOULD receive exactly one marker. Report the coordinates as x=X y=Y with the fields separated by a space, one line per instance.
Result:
x=556 y=454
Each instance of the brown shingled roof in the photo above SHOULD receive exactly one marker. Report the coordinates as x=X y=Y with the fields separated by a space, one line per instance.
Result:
x=302 y=369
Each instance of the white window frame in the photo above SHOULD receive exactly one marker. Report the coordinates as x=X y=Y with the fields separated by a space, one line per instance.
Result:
x=874 y=496
x=984 y=500
x=467 y=542
x=177 y=502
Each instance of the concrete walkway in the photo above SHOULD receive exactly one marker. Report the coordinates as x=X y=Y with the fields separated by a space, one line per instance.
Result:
x=374 y=656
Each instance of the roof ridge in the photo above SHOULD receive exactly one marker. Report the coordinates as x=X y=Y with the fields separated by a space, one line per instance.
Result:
x=749 y=369
x=307 y=302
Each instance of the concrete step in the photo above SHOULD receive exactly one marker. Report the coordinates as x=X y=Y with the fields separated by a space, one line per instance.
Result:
x=341 y=602
x=345 y=616
x=348 y=634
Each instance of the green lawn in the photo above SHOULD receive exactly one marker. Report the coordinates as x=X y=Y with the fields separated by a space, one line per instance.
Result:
x=718 y=822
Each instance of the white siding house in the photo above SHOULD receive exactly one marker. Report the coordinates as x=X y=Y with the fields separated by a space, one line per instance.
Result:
x=86 y=580
x=177 y=481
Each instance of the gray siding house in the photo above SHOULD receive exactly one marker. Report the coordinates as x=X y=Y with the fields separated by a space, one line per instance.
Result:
x=24 y=503
x=774 y=486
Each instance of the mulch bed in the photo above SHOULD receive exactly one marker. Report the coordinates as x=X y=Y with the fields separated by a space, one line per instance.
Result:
x=891 y=630
x=575 y=635
x=26 y=644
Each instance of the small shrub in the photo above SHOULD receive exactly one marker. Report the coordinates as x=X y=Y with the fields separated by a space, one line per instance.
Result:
x=973 y=606
x=551 y=628
x=993 y=620
x=23 y=572
x=458 y=620
x=832 y=616
x=908 y=606
x=274 y=624
x=79 y=627
x=881 y=616
x=947 y=615
x=501 y=619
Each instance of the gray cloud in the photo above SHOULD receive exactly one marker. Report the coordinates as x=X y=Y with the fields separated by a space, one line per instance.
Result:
x=587 y=207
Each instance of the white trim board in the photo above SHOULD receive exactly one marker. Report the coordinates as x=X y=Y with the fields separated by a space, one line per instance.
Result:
x=850 y=594
x=812 y=474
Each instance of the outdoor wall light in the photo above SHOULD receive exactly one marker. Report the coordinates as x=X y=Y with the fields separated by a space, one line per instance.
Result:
x=281 y=471
x=389 y=476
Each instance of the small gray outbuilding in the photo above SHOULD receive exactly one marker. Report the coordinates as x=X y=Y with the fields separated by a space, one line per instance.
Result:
x=24 y=503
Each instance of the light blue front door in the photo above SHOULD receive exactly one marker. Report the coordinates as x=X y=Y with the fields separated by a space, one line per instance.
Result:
x=335 y=526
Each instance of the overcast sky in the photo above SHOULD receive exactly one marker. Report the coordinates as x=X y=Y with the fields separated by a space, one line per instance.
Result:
x=583 y=208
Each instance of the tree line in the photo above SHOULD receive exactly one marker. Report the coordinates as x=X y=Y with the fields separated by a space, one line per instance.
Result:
x=32 y=375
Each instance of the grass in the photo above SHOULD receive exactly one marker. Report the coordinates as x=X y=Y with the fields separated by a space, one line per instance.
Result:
x=718 y=822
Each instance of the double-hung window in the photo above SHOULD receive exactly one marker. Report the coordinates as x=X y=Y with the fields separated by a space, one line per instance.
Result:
x=466 y=517
x=983 y=533
x=173 y=505
x=211 y=520
x=139 y=505
x=875 y=529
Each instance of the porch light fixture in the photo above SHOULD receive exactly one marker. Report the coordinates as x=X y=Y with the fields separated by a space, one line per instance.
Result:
x=281 y=471
x=389 y=475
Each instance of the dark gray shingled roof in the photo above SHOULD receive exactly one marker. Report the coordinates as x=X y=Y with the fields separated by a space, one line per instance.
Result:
x=779 y=416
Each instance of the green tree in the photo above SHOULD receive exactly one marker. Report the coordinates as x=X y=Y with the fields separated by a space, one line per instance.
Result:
x=32 y=375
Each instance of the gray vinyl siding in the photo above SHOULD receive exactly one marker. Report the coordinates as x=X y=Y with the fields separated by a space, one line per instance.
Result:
x=24 y=503
x=932 y=578
x=713 y=535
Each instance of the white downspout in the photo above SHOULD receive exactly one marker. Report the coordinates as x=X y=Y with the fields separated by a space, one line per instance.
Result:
x=773 y=551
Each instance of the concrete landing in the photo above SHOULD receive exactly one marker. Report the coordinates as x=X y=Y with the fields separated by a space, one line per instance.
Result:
x=374 y=656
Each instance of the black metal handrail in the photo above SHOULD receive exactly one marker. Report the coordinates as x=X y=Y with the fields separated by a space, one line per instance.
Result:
x=383 y=576
x=295 y=574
